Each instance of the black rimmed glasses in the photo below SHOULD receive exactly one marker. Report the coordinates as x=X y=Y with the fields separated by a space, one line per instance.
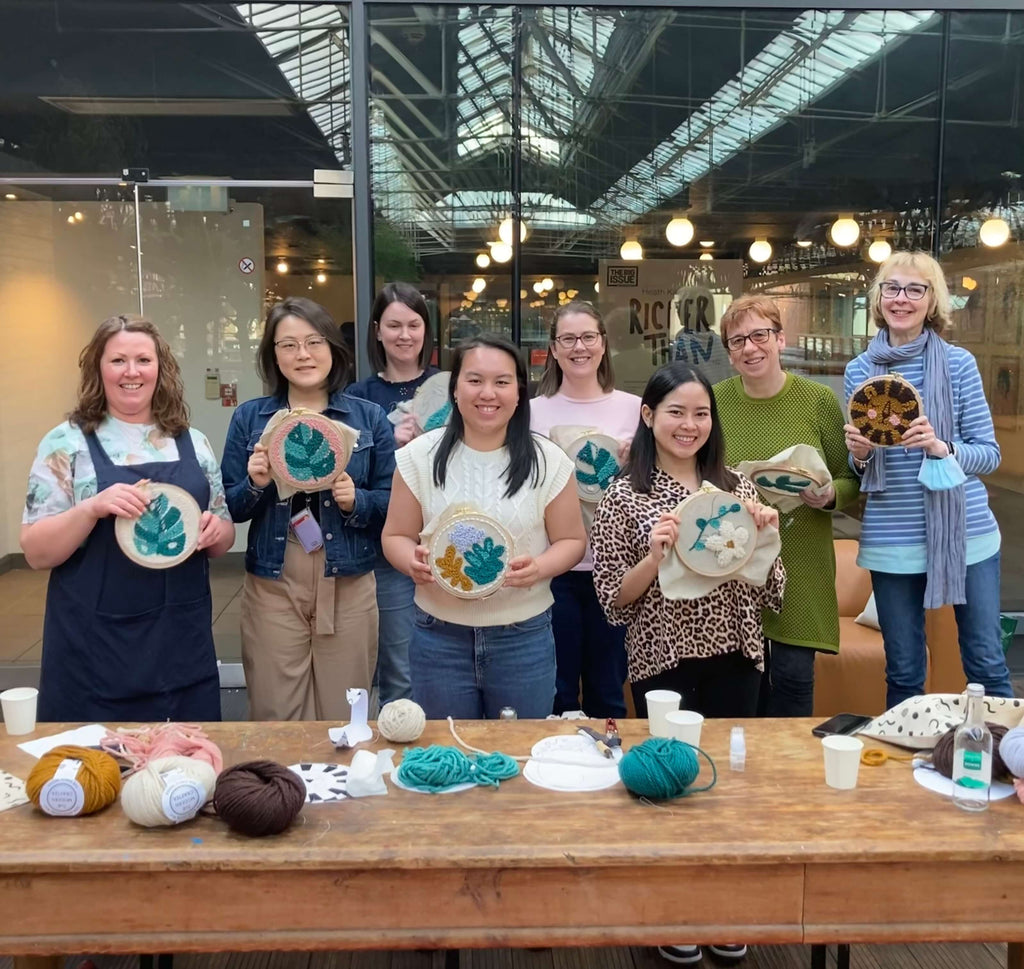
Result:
x=890 y=289
x=589 y=338
x=758 y=337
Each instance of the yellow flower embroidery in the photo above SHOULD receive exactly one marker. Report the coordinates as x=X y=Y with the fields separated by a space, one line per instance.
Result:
x=450 y=565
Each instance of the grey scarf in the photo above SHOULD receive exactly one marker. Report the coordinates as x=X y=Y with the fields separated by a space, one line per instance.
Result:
x=945 y=512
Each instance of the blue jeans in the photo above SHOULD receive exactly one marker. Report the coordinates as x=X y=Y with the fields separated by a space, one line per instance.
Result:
x=787 y=687
x=395 y=612
x=471 y=672
x=587 y=648
x=900 y=602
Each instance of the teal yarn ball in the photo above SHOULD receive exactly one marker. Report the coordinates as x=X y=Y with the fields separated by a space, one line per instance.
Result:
x=437 y=768
x=662 y=768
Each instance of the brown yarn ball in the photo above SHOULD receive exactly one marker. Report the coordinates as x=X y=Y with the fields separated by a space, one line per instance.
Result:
x=259 y=797
x=942 y=755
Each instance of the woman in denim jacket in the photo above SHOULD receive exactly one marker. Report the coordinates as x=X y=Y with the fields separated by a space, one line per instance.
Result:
x=309 y=617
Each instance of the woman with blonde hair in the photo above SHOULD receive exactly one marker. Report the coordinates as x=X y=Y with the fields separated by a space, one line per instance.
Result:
x=123 y=642
x=928 y=541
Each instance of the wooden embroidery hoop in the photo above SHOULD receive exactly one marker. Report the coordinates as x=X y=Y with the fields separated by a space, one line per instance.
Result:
x=442 y=541
x=586 y=491
x=886 y=391
x=124 y=528
x=773 y=472
x=705 y=505
x=335 y=441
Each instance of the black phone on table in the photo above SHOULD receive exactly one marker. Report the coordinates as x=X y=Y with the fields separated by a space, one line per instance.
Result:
x=845 y=723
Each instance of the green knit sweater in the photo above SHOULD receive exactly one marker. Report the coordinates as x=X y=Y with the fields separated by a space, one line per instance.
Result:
x=803 y=412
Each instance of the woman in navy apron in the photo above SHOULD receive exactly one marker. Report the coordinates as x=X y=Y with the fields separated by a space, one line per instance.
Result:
x=122 y=642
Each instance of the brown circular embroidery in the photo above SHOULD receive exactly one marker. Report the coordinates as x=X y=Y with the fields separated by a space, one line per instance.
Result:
x=882 y=408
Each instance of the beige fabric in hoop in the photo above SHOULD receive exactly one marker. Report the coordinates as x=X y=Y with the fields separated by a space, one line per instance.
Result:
x=801 y=461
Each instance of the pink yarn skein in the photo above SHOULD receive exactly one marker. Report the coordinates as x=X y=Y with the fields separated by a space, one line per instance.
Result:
x=140 y=746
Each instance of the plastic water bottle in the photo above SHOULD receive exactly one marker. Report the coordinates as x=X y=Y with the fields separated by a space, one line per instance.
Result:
x=737 y=749
x=972 y=754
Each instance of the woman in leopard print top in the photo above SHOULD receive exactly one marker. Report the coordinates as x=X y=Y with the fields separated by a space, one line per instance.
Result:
x=711 y=649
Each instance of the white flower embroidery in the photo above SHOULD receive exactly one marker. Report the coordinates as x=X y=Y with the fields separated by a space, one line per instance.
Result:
x=728 y=542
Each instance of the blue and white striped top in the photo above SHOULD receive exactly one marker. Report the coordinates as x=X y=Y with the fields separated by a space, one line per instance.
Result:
x=892 y=537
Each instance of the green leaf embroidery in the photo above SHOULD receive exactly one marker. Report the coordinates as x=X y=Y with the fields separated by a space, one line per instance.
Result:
x=715 y=522
x=783 y=483
x=307 y=454
x=604 y=464
x=483 y=562
x=159 y=530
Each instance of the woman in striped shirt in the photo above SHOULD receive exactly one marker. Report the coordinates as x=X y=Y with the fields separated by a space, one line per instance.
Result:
x=928 y=547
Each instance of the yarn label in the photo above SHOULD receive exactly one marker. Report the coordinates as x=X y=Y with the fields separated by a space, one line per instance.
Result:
x=62 y=795
x=182 y=798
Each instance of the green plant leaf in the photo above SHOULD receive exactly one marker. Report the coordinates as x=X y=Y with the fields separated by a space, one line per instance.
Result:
x=160 y=530
x=483 y=562
x=307 y=454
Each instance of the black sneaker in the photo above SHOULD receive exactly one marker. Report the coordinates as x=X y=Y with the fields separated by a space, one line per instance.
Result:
x=728 y=953
x=685 y=955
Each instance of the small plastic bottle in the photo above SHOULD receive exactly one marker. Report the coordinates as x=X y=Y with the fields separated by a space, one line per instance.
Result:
x=737 y=749
x=508 y=713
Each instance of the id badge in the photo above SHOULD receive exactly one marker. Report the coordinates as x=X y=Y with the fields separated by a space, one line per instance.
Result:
x=307 y=530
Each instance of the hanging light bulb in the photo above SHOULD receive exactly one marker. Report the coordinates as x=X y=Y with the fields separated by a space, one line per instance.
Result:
x=479 y=284
x=548 y=283
x=483 y=260
x=632 y=250
x=804 y=243
x=538 y=287
x=597 y=287
x=501 y=251
x=505 y=231
x=679 y=231
x=321 y=278
x=994 y=232
x=760 y=250
x=705 y=257
x=879 y=250
x=707 y=243
x=845 y=231
x=282 y=267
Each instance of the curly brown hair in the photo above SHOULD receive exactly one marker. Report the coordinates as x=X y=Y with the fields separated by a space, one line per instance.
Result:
x=170 y=412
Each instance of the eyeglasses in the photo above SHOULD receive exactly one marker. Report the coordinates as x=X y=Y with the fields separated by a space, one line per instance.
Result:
x=568 y=340
x=311 y=343
x=890 y=289
x=758 y=337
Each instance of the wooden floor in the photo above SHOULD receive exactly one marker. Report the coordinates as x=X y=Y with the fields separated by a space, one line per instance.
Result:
x=900 y=956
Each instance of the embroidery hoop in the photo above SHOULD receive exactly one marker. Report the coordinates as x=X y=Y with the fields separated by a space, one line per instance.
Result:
x=336 y=442
x=441 y=541
x=592 y=492
x=704 y=505
x=772 y=473
x=188 y=508
x=888 y=389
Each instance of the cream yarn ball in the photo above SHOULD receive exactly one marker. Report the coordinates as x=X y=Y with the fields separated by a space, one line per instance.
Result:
x=167 y=791
x=401 y=721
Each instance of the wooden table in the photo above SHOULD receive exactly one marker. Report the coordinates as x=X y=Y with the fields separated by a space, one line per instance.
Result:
x=769 y=855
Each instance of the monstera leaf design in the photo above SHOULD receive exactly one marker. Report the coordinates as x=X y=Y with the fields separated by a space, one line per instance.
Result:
x=439 y=418
x=160 y=530
x=783 y=483
x=483 y=562
x=307 y=453
x=601 y=460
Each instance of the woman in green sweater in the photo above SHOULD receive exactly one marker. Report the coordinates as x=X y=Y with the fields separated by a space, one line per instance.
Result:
x=764 y=411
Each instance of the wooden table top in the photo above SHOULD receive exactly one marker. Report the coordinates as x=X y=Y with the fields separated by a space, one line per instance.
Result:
x=777 y=811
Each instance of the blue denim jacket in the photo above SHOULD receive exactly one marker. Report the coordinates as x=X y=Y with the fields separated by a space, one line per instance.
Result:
x=352 y=541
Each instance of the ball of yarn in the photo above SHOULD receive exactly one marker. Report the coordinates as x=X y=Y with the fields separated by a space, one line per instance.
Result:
x=401 y=721
x=1011 y=749
x=259 y=797
x=99 y=777
x=659 y=768
x=942 y=755
x=142 y=796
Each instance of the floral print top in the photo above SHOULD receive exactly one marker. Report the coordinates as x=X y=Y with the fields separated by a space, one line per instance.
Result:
x=63 y=475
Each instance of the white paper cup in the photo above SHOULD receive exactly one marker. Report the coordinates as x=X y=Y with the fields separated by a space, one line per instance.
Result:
x=685 y=725
x=19 y=707
x=659 y=703
x=842 y=760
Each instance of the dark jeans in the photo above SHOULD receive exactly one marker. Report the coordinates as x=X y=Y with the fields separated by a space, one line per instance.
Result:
x=718 y=686
x=787 y=687
x=587 y=649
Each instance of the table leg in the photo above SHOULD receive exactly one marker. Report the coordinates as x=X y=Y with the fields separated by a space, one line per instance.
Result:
x=843 y=955
x=38 y=962
x=1014 y=955
x=819 y=956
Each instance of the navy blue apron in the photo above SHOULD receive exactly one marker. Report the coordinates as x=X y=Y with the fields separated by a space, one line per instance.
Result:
x=122 y=642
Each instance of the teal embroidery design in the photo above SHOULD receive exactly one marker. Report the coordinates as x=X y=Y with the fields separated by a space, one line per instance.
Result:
x=484 y=562
x=783 y=483
x=604 y=464
x=713 y=522
x=439 y=418
x=307 y=454
x=160 y=530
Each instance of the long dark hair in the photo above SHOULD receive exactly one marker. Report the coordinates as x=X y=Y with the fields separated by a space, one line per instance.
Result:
x=551 y=379
x=643 y=452
x=523 y=452
x=407 y=295
x=321 y=321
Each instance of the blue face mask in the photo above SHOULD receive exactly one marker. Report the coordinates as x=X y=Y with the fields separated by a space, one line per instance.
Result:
x=941 y=474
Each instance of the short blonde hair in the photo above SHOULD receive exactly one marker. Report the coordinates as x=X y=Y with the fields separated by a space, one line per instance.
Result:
x=751 y=303
x=938 y=315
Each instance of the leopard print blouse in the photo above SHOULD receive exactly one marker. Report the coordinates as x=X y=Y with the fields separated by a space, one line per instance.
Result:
x=661 y=632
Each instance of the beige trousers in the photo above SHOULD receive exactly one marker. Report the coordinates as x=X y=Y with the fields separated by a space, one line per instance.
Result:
x=307 y=639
